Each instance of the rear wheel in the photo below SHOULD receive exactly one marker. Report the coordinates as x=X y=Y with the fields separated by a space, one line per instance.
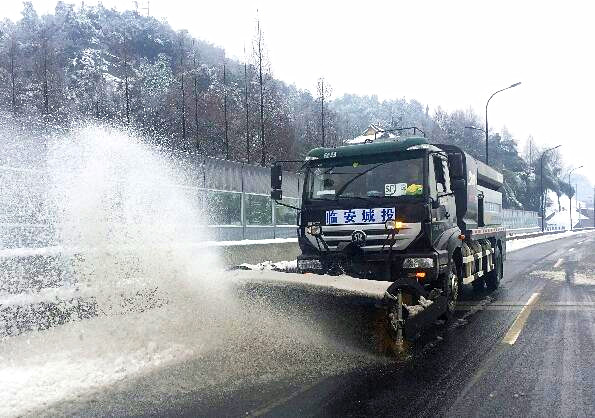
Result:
x=493 y=277
x=478 y=284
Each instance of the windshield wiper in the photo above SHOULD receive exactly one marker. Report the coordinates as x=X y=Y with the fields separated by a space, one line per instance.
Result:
x=351 y=197
x=351 y=180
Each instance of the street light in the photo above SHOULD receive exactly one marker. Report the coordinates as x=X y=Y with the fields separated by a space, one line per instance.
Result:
x=475 y=128
x=579 y=212
x=542 y=196
x=487 y=103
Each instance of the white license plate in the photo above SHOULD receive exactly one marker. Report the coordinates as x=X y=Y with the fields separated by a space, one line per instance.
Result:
x=359 y=216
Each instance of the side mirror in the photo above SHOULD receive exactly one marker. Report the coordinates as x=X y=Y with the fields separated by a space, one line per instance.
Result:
x=456 y=166
x=276 y=182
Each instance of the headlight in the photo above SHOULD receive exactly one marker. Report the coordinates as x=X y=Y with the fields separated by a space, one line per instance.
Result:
x=418 y=263
x=315 y=230
x=309 y=264
x=392 y=224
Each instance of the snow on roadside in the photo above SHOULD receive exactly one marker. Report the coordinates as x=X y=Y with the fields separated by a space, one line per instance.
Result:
x=41 y=368
x=517 y=244
x=269 y=265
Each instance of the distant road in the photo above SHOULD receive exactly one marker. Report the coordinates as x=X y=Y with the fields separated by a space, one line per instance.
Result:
x=527 y=349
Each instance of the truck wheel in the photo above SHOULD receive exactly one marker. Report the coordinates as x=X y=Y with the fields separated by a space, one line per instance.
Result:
x=452 y=286
x=493 y=277
x=478 y=284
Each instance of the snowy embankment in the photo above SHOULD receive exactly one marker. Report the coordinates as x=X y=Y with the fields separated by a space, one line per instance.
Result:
x=519 y=243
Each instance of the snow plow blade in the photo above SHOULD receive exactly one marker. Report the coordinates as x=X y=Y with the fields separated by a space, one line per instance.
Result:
x=414 y=325
x=349 y=310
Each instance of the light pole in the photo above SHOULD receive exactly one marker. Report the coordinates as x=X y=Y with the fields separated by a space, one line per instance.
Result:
x=569 y=173
x=487 y=103
x=542 y=196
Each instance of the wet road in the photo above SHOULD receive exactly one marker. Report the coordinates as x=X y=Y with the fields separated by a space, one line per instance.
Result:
x=527 y=349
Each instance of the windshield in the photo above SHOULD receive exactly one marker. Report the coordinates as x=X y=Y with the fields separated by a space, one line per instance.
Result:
x=351 y=179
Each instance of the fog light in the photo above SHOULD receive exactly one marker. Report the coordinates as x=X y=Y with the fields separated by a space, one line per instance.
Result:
x=392 y=224
x=314 y=230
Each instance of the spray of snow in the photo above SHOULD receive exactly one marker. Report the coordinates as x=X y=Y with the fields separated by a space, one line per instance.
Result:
x=111 y=202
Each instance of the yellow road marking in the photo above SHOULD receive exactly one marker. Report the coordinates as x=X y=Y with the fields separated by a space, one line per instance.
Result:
x=518 y=324
x=560 y=261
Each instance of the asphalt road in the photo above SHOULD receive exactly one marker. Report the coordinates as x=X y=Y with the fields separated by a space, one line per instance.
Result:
x=527 y=349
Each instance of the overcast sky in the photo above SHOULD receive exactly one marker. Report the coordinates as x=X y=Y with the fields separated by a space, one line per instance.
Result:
x=452 y=54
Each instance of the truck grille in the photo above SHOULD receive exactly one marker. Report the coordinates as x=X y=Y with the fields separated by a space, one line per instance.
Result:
x=376 y=236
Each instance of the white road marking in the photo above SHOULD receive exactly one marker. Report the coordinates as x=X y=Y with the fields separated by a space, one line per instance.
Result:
x=560 y=261
x=571 y=250
x=268 y=408
x=518 y=324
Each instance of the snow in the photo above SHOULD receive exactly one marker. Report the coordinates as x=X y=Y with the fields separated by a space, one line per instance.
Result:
x=229 y=343
x=55 y=250
x=338 y=285
x=416 y=309
x=561 y=218
x=269 y=265
x=248 y=242
x=517 y=244
x=44 y=367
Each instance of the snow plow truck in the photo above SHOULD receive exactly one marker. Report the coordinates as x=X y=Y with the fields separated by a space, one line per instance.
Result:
x=423 y=217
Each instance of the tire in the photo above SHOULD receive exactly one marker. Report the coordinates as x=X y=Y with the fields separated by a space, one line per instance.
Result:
x=453 y=287
x=478 y=284
x=493 y=277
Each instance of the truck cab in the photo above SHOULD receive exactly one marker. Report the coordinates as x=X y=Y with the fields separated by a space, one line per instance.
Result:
x=365 y=204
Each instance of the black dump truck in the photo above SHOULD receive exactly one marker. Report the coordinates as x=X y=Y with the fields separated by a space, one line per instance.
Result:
x=426 y=217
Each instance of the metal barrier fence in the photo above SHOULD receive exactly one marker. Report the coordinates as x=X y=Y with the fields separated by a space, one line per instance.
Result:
x=519 y=219
x=234 y=199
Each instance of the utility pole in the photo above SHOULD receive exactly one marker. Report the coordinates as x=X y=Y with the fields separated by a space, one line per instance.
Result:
x=578 y=206
x=576 y=194
x=225 y=112
x=246 y=105
x=126 y=92
x=322 y=108
x=262 y=140
x=183 y=90
x=13 y=52
x=593 y=206
x=195 y=96
x=542 y=192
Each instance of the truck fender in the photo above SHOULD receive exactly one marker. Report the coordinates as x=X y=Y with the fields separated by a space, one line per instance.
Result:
x=454 y=251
